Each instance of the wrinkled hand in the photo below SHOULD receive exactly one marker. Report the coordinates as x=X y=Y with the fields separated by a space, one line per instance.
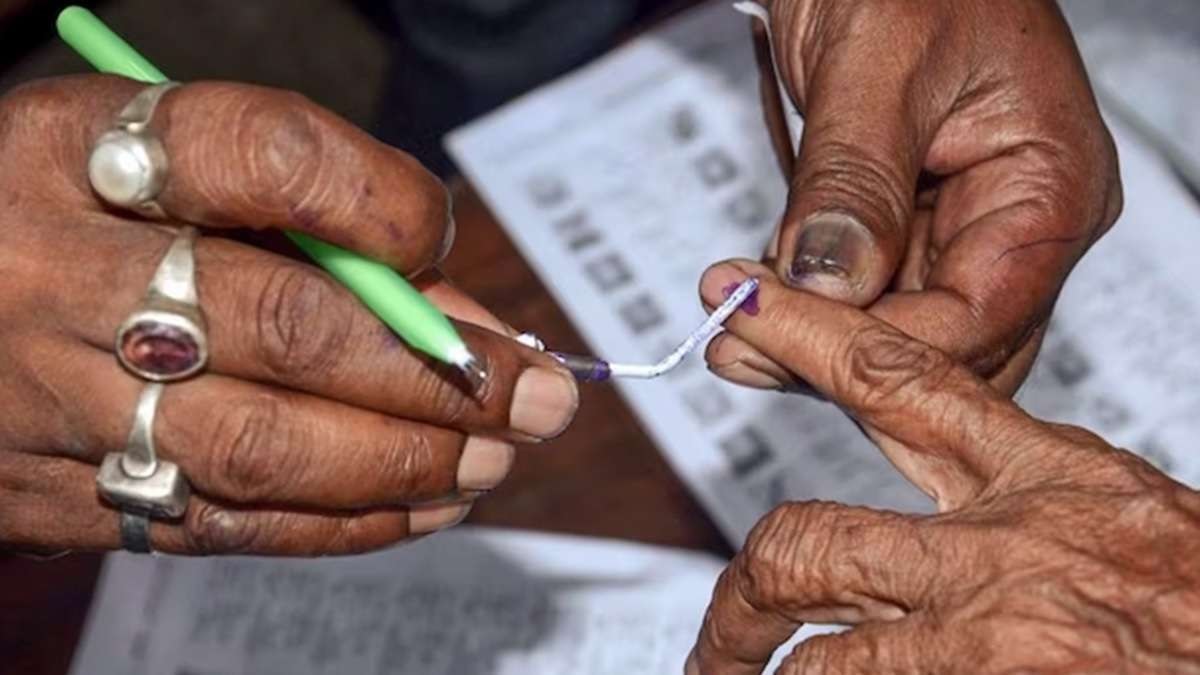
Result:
x=1053 y=552
x=314 y=430
x=953 y=169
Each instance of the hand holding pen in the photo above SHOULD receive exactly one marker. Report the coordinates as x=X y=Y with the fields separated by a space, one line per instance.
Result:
x=311 y=428
x=238 y=401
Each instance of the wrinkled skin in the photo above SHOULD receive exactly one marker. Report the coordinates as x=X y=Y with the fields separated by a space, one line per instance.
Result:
x=314 y=430
x=954 y=168
x=952 y=171
x=1051 y=552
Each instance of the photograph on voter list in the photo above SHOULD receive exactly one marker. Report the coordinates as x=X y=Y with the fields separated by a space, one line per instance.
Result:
x=617 y=337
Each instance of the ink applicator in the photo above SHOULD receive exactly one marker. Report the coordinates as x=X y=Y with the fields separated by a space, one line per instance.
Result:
x=592 y=369
x=383 y=290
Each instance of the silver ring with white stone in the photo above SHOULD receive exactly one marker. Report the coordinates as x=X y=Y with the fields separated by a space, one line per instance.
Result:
x=128 y=165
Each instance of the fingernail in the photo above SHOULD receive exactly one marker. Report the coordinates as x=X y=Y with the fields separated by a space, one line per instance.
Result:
x=747 y=376
x=435 y=518
x=745 y=366
x=716 y=280
x=831 y=252
x=484 y=463
x=544 y=403
x=892 y=614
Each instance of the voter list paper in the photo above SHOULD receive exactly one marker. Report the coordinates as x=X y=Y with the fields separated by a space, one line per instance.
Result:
x=623 y=181
x=471 y=601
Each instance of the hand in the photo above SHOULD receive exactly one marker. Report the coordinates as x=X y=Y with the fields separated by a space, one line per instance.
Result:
x=314 y=430
x=953 y=169
x=1052 y=551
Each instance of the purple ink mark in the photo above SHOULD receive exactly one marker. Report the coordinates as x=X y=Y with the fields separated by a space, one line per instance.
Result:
x=750 y=306
x=584 y=368
x=394 y=230
x=600 y=373
x=390 y=339
x=303 y=217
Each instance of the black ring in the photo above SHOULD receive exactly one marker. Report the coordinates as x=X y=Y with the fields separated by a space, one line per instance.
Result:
x=135 y=532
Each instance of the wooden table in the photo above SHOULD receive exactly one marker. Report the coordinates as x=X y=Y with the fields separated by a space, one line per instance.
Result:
x=604 y=477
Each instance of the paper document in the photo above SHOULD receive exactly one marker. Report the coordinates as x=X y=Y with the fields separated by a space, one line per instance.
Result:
x=622 y=182
x=471 y=601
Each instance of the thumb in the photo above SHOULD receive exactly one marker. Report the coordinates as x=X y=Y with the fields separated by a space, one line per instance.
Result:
x=846 y=229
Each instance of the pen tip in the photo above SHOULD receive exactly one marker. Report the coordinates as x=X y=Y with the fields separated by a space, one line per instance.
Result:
x=473 y=370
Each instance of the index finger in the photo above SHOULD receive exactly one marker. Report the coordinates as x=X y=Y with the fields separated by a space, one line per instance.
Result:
x=961 y=431
x=248 y=156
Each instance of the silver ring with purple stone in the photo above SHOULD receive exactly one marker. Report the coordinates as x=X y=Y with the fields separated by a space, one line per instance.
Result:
x=165 y=339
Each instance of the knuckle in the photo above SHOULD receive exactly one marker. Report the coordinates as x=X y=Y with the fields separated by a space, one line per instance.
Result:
x=410 y=463
x=1148 y=502
x=1104 y=187
x=849 y=177
x=24 y=106
x=1063 y=205
x=44 y=109
x=209 y=529
x=759 y=581
x=302 y=324
x=1098 y=465
x=244 y=457
x=887 y=369
x=443 y=402
x=784 y=542
x=718 y=634
x=288 y=149
x=1114 y=205
x=350 y=537
x=1051 y=211
x=32 y=105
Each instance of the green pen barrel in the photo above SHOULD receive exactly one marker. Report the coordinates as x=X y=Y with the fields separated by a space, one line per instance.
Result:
x=391 y=298
x=384 y=291
x=104 y=49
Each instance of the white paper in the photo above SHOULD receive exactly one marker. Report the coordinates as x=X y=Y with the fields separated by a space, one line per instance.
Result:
x=621 y=182
x=471 y=601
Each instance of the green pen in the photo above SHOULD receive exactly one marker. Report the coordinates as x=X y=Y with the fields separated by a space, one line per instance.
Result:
x=385 y=292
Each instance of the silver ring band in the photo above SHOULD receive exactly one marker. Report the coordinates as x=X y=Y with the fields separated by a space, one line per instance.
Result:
x=166 y=339
x=137 y=480
x=128 y=165
x=135 y=532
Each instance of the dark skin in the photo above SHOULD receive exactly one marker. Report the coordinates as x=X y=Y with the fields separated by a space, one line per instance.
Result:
x=314 y=430
x=1051 y=552
x=953 y=169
